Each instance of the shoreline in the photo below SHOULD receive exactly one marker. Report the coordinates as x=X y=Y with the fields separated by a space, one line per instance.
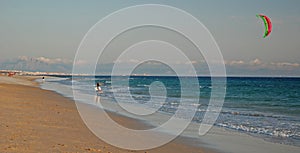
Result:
x=38 y=120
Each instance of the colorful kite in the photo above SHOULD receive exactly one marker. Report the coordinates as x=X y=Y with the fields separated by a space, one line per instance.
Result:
x=268 y=24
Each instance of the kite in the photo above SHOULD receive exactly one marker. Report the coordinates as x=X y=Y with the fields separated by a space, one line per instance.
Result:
x=268 y=24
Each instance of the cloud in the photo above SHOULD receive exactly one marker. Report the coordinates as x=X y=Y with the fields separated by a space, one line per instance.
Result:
x=42 y=64
x=191 y=62
x=286 y=64
x=260 y=67
x=46 y=60
x=256 y=62
x=233 y=67
x=134 y=61
x=129 y=61
x=81 y=62
x=54 y=61
x=24 y=58
x=235 y=62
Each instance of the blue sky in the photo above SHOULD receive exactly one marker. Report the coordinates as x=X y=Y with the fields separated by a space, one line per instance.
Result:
x=54 y=29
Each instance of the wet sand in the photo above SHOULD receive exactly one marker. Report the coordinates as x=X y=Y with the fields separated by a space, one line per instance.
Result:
x=37 y=120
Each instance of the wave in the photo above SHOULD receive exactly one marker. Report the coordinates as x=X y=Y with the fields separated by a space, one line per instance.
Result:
x=258 y=114
x=284 y=133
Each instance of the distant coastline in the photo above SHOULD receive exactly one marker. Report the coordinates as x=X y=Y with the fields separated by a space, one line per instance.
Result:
x=58 y=74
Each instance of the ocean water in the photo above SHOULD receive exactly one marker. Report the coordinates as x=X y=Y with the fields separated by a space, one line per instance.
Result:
x=260 y=106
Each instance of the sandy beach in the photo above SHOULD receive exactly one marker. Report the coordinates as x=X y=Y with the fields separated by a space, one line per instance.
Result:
x=37 y=120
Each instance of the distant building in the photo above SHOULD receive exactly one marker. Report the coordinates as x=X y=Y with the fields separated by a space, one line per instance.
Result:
x=9 y=72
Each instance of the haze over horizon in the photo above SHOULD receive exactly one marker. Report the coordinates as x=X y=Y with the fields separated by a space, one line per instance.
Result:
x=50 y=32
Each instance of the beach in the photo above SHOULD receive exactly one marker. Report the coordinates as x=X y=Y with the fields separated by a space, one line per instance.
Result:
x=37 y=120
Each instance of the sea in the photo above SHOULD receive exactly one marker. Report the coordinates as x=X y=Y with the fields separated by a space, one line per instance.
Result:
x=265 y=107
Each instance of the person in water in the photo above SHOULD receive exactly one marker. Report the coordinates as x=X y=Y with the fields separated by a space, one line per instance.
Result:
x=98 y=87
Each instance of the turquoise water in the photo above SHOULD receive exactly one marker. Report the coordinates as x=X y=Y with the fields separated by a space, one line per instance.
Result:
x=263 y=107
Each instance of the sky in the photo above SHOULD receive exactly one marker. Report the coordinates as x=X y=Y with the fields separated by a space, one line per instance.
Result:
x=54 y=29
